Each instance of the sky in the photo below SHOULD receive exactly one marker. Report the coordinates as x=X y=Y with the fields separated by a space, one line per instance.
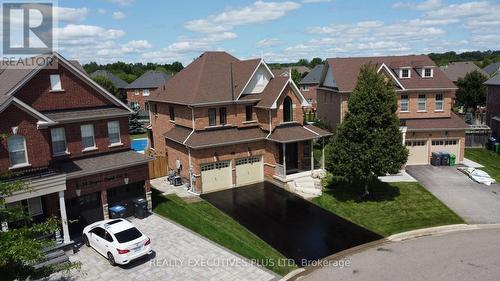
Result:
x=279 y=31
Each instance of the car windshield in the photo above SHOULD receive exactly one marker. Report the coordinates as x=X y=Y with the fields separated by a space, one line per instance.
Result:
x=128 y=235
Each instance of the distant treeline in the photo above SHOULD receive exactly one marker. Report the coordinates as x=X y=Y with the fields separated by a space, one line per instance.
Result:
x=481 y=59
x=130 y=71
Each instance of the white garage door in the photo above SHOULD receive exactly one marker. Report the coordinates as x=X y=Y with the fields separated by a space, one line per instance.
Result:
x=451 y=146
x=216 y=176
x=249 y=170
x=419 y=153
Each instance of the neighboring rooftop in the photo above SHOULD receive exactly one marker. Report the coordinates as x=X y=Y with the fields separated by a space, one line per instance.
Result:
x=313 y=76
x=300 y=68
x=85 y=113
x=495 y=80
x=455 y=70
x=149 y=80
x=492 y=68
x=119 y=83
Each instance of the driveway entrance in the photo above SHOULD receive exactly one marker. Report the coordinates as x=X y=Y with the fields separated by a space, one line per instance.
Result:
x=474 y=202
x=295 y=227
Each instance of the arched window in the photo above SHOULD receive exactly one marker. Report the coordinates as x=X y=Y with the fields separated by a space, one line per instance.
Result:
x=17 y=150
x=287 y=110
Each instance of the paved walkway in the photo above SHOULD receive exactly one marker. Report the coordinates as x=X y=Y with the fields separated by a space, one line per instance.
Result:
x=179 y=255
x=470 y=163
x=468 y=255
x=402 y=176
x=162 y=185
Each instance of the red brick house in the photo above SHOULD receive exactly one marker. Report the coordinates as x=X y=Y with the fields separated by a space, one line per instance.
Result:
x=493 y=105
x=309 y=83
x=68 y=139
x=141 y=88
x=224 y=122
x=425 y=98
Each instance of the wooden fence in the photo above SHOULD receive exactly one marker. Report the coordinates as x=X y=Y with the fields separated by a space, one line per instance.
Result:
x=477 y=136
x=158 y=167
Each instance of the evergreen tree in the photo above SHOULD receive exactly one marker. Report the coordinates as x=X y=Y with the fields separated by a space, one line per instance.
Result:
x=369 y=142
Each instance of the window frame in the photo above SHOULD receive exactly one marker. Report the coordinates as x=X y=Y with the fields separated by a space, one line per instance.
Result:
x=401 y=70
x=32 y=211
x=59 y=153
x=419 y=102
x=136 y=92
x=287 y=106
x=249 y=113
x=90 y=148
x=404 y=101
x=146 y=92
x=26 y=160
x=431 y=72
x=119 y=133
x=212 y=120
x=52 y=78
x=223 y=116
x=171 y=113
x=440 y=102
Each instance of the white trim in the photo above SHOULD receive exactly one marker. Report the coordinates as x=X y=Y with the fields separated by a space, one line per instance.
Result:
x=253 y=73
x=304 y=102
x=26 y=159
x=311 y=131
x=28 y=109
x=392 y=74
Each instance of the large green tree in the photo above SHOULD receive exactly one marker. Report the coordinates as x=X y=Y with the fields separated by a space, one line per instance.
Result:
x=471 y=90
x=109 y=86
x=368 y=143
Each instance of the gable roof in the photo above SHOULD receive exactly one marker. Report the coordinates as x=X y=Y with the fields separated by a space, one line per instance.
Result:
x=313 y=76
x=346 y=71
x=491 y=69
x=150 y=79
x=119 y=83
x=495 y=80
x=459 y=69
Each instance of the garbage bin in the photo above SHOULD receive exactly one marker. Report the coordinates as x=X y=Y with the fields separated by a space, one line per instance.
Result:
x=491 y=143
x=496 y=147
x=453 y=158
x=436 y=159
x=117 y=211
x=140 y=208
x=445 y=158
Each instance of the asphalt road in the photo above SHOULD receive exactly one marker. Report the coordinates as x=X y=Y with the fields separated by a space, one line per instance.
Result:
x=474 y=202
x=467 y=255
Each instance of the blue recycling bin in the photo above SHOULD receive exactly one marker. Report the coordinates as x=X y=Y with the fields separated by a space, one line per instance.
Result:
x=117 y=211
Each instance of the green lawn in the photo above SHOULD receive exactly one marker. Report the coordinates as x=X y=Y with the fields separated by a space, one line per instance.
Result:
x=139 y=136
x=389 y=209
x=205 y=219
x=489 y=159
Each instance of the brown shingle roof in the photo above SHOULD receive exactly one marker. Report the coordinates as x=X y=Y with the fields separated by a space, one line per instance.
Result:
x=178 y=134
x=429 y=124
x=346 y=71
x=272 y=92
x=85 y=114
x=293 y=133
x=318 y=130
x=459 y=69
x=212 y=77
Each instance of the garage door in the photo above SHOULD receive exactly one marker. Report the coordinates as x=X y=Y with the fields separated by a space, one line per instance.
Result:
x=216 y=176
x=451 y=146
x=419 y=154
x=249 y=170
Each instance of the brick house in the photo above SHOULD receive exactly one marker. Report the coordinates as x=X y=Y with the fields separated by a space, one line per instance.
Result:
x=68 y=139
x=493 y=105
x=141 y=88
x=425 y=97
x=309 y=83
x=224 y=122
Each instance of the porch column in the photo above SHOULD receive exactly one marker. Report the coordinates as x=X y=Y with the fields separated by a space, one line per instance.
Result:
x=323 y=153
x=284 y=161
x=104 y=202
x=64 y=218
x=312 y=156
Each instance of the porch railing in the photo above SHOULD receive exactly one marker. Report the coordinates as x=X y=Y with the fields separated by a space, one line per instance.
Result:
x=279 y=170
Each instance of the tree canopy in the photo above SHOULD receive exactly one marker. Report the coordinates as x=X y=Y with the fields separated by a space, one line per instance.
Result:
x=368 y=143
x=130 y=71
x=471 y=90
x=110 y=87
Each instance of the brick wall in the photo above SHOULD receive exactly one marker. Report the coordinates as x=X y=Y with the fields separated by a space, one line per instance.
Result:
x=77 y=93
x=297 y=108
x=310 y=94
x=139 y=98
x=37 y=141
x=430 y=105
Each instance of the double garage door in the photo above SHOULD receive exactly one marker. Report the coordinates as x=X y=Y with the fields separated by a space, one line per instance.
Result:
x=219 y=175
x=420 y=153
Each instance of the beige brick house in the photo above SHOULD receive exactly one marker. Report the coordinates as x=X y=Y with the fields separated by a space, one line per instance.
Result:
x=425 y=97
x=224 y=122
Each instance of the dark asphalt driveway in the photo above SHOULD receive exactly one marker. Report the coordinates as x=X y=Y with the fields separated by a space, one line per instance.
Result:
x=295 y=227
x=474 y=202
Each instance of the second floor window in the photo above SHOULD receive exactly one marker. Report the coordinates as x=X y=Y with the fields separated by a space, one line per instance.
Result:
x=136 y=92
x=88 y=140
x=422 y=103
x=134 y=105
x=427 y=72
x=404 y=103
x=439 y=102
x=171 y=112
x=287 y=110
x=223 y=116
x=145 y=92
x=114 y=132
x=212 y=117
x=55 y=82
x=58 y=141
x=17 y=150
x=405 y=73
x=249 y=113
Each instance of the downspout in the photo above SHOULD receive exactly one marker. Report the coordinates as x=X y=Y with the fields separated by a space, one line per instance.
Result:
x=191 y=174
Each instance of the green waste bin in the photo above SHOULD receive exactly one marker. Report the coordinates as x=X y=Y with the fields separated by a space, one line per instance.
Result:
x=496 y=147
x=453 y=157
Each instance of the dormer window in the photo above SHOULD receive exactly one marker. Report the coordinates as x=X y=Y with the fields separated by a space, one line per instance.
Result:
x=427 y=72
x=404 y=73
x=55 y=82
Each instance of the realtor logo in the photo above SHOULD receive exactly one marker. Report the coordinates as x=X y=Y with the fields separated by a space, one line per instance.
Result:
x=27 y=28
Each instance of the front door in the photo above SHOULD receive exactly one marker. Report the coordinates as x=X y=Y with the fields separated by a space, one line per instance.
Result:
x=291 y=157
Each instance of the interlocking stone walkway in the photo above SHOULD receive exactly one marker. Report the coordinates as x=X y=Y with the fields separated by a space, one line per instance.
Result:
x=179 y=255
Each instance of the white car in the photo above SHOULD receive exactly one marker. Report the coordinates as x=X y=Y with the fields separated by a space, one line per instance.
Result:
x=118 y=240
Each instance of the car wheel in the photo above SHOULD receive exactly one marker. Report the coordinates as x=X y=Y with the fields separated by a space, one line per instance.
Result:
x=111 y=259
x=86 y=240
